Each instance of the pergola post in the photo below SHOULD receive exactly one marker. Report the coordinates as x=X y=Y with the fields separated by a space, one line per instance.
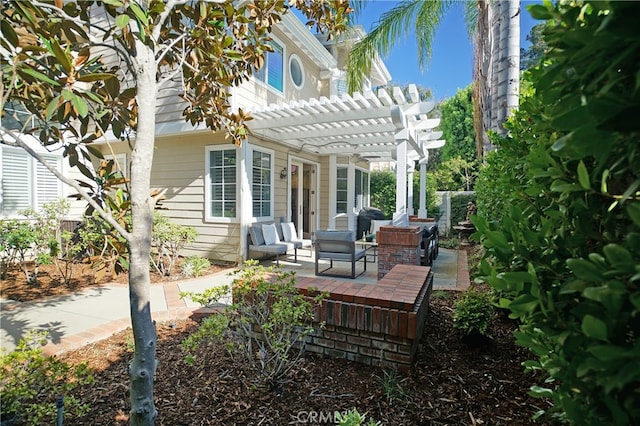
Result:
x=422 y=211
x=401 y=177
x=410 y=190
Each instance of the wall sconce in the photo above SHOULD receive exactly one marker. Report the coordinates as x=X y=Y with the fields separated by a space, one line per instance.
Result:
x=283 y=173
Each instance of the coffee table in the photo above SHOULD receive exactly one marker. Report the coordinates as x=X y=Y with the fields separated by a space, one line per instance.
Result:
x=369 y=245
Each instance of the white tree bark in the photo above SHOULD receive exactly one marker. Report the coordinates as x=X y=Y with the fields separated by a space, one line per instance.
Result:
x=499 y=63
x=143 y=366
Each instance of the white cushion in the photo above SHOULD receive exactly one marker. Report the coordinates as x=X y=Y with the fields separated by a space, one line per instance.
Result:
x=376 y=224
x=270 y=234
x=289 y=231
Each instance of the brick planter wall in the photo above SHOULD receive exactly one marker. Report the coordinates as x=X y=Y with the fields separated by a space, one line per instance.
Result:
x=374 y=324
x=397 y=245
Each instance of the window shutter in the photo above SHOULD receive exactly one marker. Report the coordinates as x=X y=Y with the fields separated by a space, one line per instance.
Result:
x=16 y=183
x=48 y=185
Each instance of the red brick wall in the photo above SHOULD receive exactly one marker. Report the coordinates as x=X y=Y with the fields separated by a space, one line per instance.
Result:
x=375 y=324
x=397 y=245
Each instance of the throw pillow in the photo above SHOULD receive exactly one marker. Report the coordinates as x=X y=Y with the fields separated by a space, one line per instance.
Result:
x=255 y=231
x=289 y=231
x=270 y=234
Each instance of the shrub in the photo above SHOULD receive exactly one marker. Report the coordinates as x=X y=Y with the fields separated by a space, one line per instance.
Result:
x=265 y=327
x=194 y=266
x=31 y=382
x=167 y=240
x=566 y=251
x=353 y=418
x=107 y=249
x=383 y=191
x=473 y=313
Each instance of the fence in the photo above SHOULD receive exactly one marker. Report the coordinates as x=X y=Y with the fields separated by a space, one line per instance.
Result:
x=453 y=208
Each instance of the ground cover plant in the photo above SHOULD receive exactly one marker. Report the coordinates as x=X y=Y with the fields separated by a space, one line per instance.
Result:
x=564 y=252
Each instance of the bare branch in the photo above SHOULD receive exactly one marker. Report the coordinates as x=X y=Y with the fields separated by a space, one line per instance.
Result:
x=6 y=135
x=176 y=71
x=167 y=48
x=168 y=8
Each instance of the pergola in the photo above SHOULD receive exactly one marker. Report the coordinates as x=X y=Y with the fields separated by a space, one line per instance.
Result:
x=373 y=127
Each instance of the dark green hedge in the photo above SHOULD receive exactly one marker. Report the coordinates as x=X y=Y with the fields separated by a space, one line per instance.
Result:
x=565 y=251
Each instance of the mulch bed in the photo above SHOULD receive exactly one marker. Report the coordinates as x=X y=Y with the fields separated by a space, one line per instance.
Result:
x=451 y=383
x=14 y=286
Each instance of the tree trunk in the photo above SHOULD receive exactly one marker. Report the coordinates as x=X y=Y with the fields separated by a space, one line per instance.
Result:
x=499 y=64
x=143 y=366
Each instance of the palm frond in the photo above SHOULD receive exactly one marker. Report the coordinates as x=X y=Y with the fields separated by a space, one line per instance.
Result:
x=426 y=24
x=392 y=25
x=471 y=17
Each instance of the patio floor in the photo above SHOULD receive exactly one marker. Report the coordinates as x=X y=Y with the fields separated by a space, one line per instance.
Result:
x=449 y=269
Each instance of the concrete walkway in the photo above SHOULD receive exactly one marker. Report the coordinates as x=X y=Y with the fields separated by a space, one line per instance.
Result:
x=96 y=313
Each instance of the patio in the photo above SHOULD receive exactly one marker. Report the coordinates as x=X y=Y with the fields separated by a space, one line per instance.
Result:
x=375 y=321
x=449 y=269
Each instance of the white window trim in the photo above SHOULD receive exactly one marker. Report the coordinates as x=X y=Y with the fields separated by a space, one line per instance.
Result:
x=250 y=149
x=346 y=167
x=296 y=58
x=285 y=70
x=207 y=185
x=365 y=202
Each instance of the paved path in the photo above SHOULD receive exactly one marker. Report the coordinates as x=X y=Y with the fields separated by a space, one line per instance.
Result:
x=96 y=313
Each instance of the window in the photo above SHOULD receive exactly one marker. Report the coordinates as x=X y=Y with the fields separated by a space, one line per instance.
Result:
x=26 y=182
x=296 y=72
x=272 y=72
x=261 y=180
x=341 y=190
x=222 y=182
x=362 y=189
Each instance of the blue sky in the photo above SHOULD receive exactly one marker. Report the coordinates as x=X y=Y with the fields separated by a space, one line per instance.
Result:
x=452 y=61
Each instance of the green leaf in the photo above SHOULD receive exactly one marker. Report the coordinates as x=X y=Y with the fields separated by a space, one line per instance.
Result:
x=540 y=392
x=80 y=105
x=583 y=175
x=9 y=33
x=594 y=327
x=539 y=12
x=61 y=56
x=562 y=186
x=52 y=107
x=520 y=277
x=610 y=352
x=524 y=303
x=584 y=270
x=618 y=255
x=633 y=210
x=571 y=119
x=97 y=76
x=140 y=14
x=122 y=21
x=38 y=75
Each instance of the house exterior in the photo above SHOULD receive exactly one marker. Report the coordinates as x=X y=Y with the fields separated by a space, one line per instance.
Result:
x=307 y=159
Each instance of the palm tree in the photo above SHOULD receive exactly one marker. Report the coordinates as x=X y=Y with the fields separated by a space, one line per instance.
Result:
x=496 y=27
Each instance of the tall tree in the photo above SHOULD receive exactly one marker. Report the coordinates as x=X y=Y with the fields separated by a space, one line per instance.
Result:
x=531 y=56
x=497 y=72
x=60 y=62
x=496 y=27
x=457 y=126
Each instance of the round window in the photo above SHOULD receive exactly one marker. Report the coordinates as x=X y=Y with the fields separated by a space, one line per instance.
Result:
x=296 y=72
